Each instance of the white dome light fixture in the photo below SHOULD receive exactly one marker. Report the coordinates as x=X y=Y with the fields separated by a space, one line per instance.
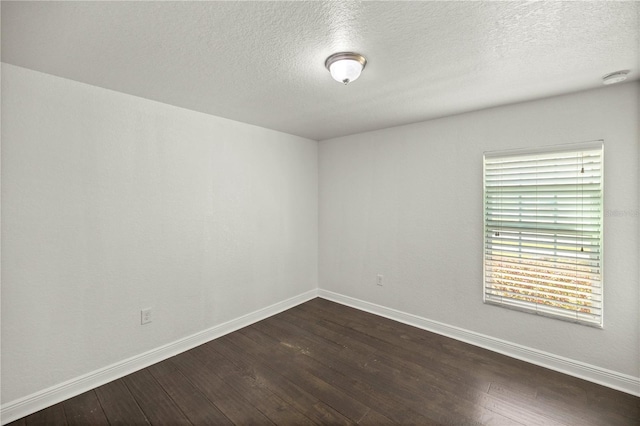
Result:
x=615 y=77
x=345 y=67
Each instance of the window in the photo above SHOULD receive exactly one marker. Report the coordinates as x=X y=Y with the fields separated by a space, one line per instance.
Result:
x=543 y=231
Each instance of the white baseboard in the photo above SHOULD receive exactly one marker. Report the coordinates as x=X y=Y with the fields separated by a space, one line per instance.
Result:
x=37 y=401
x=601 y=376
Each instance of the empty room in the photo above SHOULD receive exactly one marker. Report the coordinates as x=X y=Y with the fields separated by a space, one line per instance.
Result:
x=320 y=212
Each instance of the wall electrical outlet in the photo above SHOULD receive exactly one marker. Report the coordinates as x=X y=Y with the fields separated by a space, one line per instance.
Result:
x=145 y=316
x=379 y=279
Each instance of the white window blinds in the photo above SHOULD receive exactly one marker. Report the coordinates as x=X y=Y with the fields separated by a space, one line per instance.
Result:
x=543 y=231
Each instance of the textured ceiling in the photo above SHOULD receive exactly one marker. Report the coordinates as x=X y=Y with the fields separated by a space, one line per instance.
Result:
x=263 y=62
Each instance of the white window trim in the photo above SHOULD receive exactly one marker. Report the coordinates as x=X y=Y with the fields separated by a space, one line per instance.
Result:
x=536 y=308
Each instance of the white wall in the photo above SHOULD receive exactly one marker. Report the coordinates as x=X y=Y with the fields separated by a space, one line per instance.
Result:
x=406 y=202
x=112 y=203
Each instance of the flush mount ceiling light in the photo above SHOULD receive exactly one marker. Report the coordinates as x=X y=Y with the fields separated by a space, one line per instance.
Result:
x=615 y=77
x=345 y=67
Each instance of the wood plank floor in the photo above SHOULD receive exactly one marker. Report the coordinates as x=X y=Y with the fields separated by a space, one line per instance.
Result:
x=323 y=363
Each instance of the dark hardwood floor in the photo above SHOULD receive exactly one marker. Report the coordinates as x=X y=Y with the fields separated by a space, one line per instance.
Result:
x=324 y=363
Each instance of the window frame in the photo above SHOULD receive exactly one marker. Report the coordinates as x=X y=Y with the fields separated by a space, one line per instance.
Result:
x=528 y=306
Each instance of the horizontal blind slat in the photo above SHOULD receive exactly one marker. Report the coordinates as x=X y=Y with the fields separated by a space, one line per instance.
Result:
x=581 y=278
x=556 y=262
x=563 y=303
x=542 y=239
x=547 y=284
